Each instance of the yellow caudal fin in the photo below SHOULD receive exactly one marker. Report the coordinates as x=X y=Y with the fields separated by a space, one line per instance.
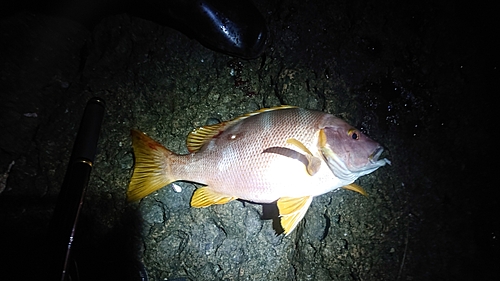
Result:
x=292 y=210
x=204 y=197
x=151 y=169
x=355 y=187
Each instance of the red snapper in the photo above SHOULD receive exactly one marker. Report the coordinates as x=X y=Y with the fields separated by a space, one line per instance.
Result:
x=282 y=154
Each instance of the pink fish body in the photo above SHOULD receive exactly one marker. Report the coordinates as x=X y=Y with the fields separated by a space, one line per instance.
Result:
x=284 y=154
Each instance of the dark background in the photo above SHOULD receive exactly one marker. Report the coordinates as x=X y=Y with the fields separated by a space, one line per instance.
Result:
x=419 y=77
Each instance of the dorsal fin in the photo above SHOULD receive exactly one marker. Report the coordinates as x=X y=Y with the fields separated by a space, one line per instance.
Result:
x=200 y=136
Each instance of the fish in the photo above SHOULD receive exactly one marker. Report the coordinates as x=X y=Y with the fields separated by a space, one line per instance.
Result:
x=285 y=155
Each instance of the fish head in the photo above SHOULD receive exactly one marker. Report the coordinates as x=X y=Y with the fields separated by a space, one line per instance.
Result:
x=348 y=152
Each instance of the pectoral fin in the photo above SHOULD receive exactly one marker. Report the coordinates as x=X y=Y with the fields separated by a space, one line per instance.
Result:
x=313 y=163
x=355 y=187
x=325 y=150
x=292 y=210
x=204 y=197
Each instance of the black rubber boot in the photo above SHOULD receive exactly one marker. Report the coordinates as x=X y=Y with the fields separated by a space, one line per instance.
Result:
x=234 y=27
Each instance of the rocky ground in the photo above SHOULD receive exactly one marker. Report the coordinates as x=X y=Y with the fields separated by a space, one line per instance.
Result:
x=418 y=78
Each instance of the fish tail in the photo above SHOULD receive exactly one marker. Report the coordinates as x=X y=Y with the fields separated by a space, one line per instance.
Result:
x=151 y=170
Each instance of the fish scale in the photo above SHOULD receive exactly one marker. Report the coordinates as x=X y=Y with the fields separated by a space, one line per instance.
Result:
x=245 y=179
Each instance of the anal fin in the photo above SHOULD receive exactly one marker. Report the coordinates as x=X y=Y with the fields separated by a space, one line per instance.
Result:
x=292 y=210
x=204 y=197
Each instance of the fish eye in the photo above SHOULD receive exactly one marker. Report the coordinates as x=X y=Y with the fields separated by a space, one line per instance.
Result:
x=353 y=134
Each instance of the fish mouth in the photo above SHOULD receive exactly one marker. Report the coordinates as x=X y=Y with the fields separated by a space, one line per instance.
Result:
x=374 y=157
x=341 y=170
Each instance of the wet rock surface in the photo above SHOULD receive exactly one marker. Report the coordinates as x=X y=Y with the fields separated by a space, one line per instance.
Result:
x=414 y=77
